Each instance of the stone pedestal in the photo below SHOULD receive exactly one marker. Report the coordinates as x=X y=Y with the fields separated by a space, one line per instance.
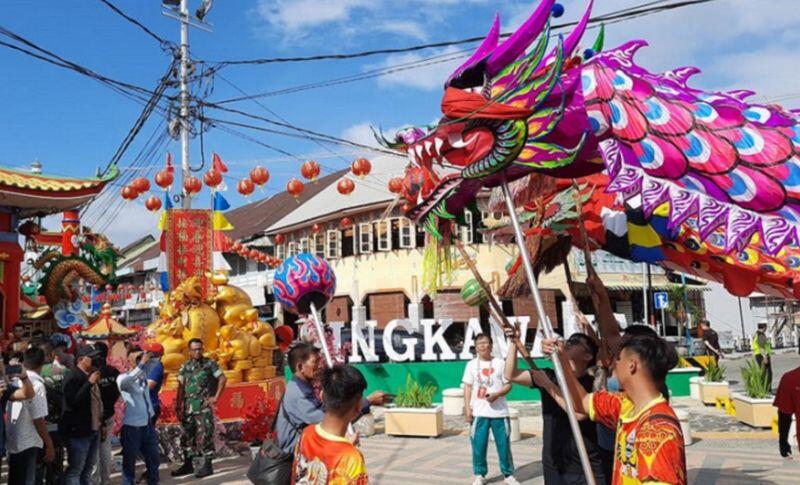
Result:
x=453 y=401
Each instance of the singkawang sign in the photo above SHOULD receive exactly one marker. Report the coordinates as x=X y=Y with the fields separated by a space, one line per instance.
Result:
x=430 y=331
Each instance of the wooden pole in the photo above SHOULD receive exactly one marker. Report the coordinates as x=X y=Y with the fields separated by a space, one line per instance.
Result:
x=494 y=305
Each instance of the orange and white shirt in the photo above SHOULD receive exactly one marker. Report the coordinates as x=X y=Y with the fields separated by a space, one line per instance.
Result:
x=648 y=445
x=323 y=458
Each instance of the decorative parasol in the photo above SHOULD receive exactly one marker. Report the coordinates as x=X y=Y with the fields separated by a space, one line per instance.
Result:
x=105 y=328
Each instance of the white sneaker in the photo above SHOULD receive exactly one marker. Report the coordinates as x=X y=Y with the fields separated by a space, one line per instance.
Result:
x=510 y=480
x=479 y=481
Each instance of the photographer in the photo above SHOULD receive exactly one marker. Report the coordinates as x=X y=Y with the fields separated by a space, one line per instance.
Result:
x=11 y=392
x=83 y=415
x=138 y=434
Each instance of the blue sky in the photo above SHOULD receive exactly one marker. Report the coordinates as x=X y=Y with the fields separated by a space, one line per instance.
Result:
x=73 y=124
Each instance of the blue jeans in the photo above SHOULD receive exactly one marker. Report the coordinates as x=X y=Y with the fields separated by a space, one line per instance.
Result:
x=479 y=435
x=81 y=458
x=135 y=440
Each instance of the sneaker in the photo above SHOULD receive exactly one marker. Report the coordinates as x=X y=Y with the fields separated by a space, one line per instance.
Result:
x=510 y=480
x=479 y=481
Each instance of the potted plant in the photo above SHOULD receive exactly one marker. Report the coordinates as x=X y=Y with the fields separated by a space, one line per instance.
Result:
x=754 y=407
x=413 y=413
x=713 y=385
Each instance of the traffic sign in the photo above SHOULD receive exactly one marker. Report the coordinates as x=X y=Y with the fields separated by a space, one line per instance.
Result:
x=661 y=300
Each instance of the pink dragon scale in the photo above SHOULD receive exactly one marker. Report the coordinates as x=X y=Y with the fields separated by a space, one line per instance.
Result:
x=514 y=108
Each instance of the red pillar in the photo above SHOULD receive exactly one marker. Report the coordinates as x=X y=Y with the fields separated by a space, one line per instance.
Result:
x=70 y=226
x=11 y=255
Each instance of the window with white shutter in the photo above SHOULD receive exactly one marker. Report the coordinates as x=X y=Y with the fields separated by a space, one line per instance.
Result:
x=333 y=249
x=365 y=238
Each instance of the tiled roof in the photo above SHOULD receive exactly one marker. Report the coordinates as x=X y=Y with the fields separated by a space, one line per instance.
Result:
x=47 y=183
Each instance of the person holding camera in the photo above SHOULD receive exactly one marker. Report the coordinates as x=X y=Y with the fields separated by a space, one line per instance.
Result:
x=138 y=434
x=15 y=386
x=83 y=416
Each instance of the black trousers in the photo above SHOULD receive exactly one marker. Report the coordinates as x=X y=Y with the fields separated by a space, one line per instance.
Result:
x=768 y=366
x=22 y=466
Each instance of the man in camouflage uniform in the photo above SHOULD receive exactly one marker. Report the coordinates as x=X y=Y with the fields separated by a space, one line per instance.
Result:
x=200 y=383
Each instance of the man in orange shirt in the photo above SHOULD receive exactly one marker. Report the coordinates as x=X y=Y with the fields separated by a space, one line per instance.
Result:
x=649 y=443
x=324 y=455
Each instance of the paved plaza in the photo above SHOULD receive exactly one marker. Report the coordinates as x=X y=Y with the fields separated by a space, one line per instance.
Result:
x=724 y=451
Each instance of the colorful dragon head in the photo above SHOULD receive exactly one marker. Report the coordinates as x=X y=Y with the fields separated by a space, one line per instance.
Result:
x=510 y=110
x=507 y=111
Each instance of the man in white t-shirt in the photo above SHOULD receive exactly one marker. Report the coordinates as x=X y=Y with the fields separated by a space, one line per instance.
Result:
x=485 y=408
x=27 y=431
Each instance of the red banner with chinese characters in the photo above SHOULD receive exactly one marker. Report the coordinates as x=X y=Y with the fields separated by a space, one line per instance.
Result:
x=233 y=402
x=189 y=246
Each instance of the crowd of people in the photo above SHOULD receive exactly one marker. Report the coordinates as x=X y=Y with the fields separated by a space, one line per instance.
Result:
x=61 y=408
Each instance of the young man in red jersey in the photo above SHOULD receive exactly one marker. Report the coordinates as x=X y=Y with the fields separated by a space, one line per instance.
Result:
x=649 y=442
x=324 y=454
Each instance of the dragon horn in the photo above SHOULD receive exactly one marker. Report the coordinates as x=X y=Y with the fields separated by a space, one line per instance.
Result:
x=383 y=141
x=601 y=38
x=571 y=42
x=520 y=40
x=488 y=46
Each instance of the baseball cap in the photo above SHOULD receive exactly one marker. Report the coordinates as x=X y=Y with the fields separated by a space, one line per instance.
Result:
x=87 y=351
x=153 y=347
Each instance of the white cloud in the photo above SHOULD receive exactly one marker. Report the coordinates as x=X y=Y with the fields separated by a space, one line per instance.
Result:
x=131 y=223
x=362 y=133
x=296 y=15
x=428 y=77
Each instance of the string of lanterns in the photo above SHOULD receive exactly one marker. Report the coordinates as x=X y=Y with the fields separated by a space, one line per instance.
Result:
x=214 y=178
x=251 y=253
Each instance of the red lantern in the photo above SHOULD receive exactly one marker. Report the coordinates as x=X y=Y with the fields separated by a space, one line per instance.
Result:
x=406 y=207
x=153 y=203
x=129 y=193
x=246 y=187
x=361 y=167
x=346 y=222
x=310 y=170
x=237 y=246
x=279 y=238
x=346 y=186
x=396 y=185
x=192 y=185
x=259 y=175
x=253 y=253
x=316 y=228
x=141 y=184
x=164 y=178
x=295 y=188
x=212 y=178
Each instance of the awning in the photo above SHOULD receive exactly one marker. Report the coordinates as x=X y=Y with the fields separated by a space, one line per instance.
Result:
x=662 y=287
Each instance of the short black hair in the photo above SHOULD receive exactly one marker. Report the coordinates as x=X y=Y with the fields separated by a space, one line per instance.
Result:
x=590 y=344
x=102 y=349
x=46 y=346
x=299 y=353
x=195 y=341
x=657 y=355
x=33 y=358
x=646 y=330
x=342 y=385
x=483 y=335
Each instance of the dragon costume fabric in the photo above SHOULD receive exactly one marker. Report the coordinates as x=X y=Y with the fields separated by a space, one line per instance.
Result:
x=729 y=168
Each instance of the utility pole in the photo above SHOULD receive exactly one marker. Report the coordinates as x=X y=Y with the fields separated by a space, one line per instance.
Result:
x=645 y=300
x=741 y=321
x=185 y=170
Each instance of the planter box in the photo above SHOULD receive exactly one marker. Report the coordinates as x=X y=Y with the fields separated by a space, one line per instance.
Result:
x=710 y=391
x=414 y=422
x=758 y=413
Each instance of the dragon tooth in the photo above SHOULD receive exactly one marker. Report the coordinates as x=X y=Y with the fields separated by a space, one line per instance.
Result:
x=418 y=148
x=428 y=146
x=411 y=155
x=454 y=139
x=438 y=143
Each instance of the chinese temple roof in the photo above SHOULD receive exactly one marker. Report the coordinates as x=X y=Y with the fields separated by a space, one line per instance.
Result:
x=106 y=327
x=39 y=194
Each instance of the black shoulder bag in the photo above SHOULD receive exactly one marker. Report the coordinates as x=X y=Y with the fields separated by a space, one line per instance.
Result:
x=272 y=465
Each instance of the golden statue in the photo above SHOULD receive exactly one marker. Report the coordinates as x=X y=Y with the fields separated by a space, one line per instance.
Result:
x=226 y=322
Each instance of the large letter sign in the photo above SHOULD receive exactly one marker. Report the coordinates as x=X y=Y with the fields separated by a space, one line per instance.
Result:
x=408 y=342
x=473 y=328
x=367 y=346
x=433 y=339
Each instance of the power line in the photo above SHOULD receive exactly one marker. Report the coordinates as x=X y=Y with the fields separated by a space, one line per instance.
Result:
x=165 y=44
x=632 y=12
x=57 y=60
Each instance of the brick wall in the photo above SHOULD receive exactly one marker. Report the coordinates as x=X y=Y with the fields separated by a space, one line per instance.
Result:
x=338 y=310
x=385 y=307
x=524 y=306
x=448 y=304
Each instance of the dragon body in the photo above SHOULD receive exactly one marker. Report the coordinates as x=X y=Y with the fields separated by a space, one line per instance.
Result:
x=731 y=166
